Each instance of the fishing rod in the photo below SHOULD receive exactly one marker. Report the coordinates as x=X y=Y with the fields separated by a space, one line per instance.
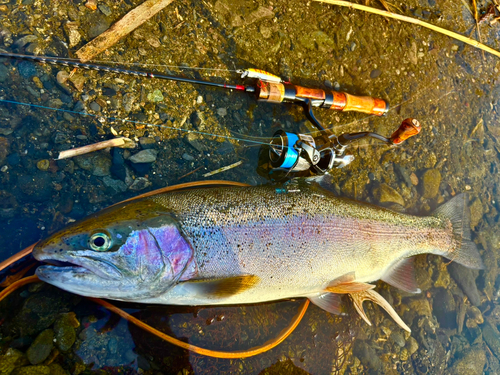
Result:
x=288 y=152
x=267 y=87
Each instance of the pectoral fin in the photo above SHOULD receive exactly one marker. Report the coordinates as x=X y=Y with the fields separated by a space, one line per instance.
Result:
x=221 y=288
x=329 y=302
x=371 y=295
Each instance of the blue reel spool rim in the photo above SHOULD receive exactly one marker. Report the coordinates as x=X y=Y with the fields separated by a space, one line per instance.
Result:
x=289 y=155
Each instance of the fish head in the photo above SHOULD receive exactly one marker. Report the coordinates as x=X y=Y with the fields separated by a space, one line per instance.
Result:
x=128 y=252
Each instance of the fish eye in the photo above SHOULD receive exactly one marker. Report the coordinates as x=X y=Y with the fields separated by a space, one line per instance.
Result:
x=100 y=242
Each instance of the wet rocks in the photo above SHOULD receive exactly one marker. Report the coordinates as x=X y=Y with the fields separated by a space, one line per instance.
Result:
x=476 y=213
x=367 y=355
x=40 y=349
x=37 y=186
x=74 y=35
x=472 y=363
x=144 y=156
x=140 y=183
x=385 y=194
x=64 y=331
x=117 y=185
x=99 y=164
x=147 y=143
x=375 y=73
x=11 y=359
x=431 y=180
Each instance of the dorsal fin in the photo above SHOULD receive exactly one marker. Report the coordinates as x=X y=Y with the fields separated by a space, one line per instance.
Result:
x=223 y=287
x=402 y=276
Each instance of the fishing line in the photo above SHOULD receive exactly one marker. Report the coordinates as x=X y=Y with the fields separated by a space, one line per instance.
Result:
x=131 y=121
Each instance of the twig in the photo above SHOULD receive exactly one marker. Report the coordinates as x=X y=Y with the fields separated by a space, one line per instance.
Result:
x=190 y=173
x=223 y=169
x=400 y=17
x=115 y=142
x=126 y=25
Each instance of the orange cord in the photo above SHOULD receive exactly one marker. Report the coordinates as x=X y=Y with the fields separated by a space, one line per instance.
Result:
x=268 y=345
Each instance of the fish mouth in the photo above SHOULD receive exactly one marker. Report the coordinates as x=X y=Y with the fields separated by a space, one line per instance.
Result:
x=59 y=265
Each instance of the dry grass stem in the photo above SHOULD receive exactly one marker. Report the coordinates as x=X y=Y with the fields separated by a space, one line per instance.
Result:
x=400 y=17
x=234 y=165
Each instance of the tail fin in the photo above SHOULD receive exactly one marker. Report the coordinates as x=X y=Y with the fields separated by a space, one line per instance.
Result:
x=457 y=211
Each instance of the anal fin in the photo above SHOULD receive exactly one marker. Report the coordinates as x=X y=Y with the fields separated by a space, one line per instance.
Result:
x=371 y=295
x=328 y=301
x=402 y=276
x=224 y=287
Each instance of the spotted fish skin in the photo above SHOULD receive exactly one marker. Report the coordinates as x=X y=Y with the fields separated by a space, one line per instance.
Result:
x=237 y=245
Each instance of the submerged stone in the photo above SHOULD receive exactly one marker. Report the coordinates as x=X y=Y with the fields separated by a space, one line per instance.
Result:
x=430 y=183
x=65 y=334
x=41 y=347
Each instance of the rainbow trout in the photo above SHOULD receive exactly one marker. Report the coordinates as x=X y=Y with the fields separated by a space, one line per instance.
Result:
x=234 y=245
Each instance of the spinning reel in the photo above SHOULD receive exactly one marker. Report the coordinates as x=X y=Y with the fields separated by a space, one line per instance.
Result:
x=292 y=152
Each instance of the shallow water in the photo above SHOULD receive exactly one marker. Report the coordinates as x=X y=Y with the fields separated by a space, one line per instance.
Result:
x=451 y=88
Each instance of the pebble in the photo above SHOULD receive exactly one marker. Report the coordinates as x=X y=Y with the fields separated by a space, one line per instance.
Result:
x=104 y=9
x=40 y=349
x=65 y=335
x=430 y=183
x=476 y=213
x=385 y=194
x=37 y=82
x=375 y=73
x=412 y=345
x=117 y=185
x=398 y=339
x=222 y=112
x=188 y=157
x=140 y=183
x=147 y=143
x=74 y=35
x=199 y=99
x=128 y=101
x=155 y=96
x=144 y=156
x=414 y=179
x=95 y=107
x=99 y=25
x=43 y=165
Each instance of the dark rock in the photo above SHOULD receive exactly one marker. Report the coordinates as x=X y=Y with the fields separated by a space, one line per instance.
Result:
x=27 y=69
x=41 y=347
x=119 y=171
x=367 y=355
x=225 y=148
x=108 y=91
x=375 y=73
x=117 y=185
x=117 y=156
x=99 y=25
x=38 y=186
x=403 y=174
x=95 y=107
x=139 y=184
x=472 y=363
x=141 y=168
x=444 y=308
x=466 y=280
x=13 y=159
x=147 y=143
